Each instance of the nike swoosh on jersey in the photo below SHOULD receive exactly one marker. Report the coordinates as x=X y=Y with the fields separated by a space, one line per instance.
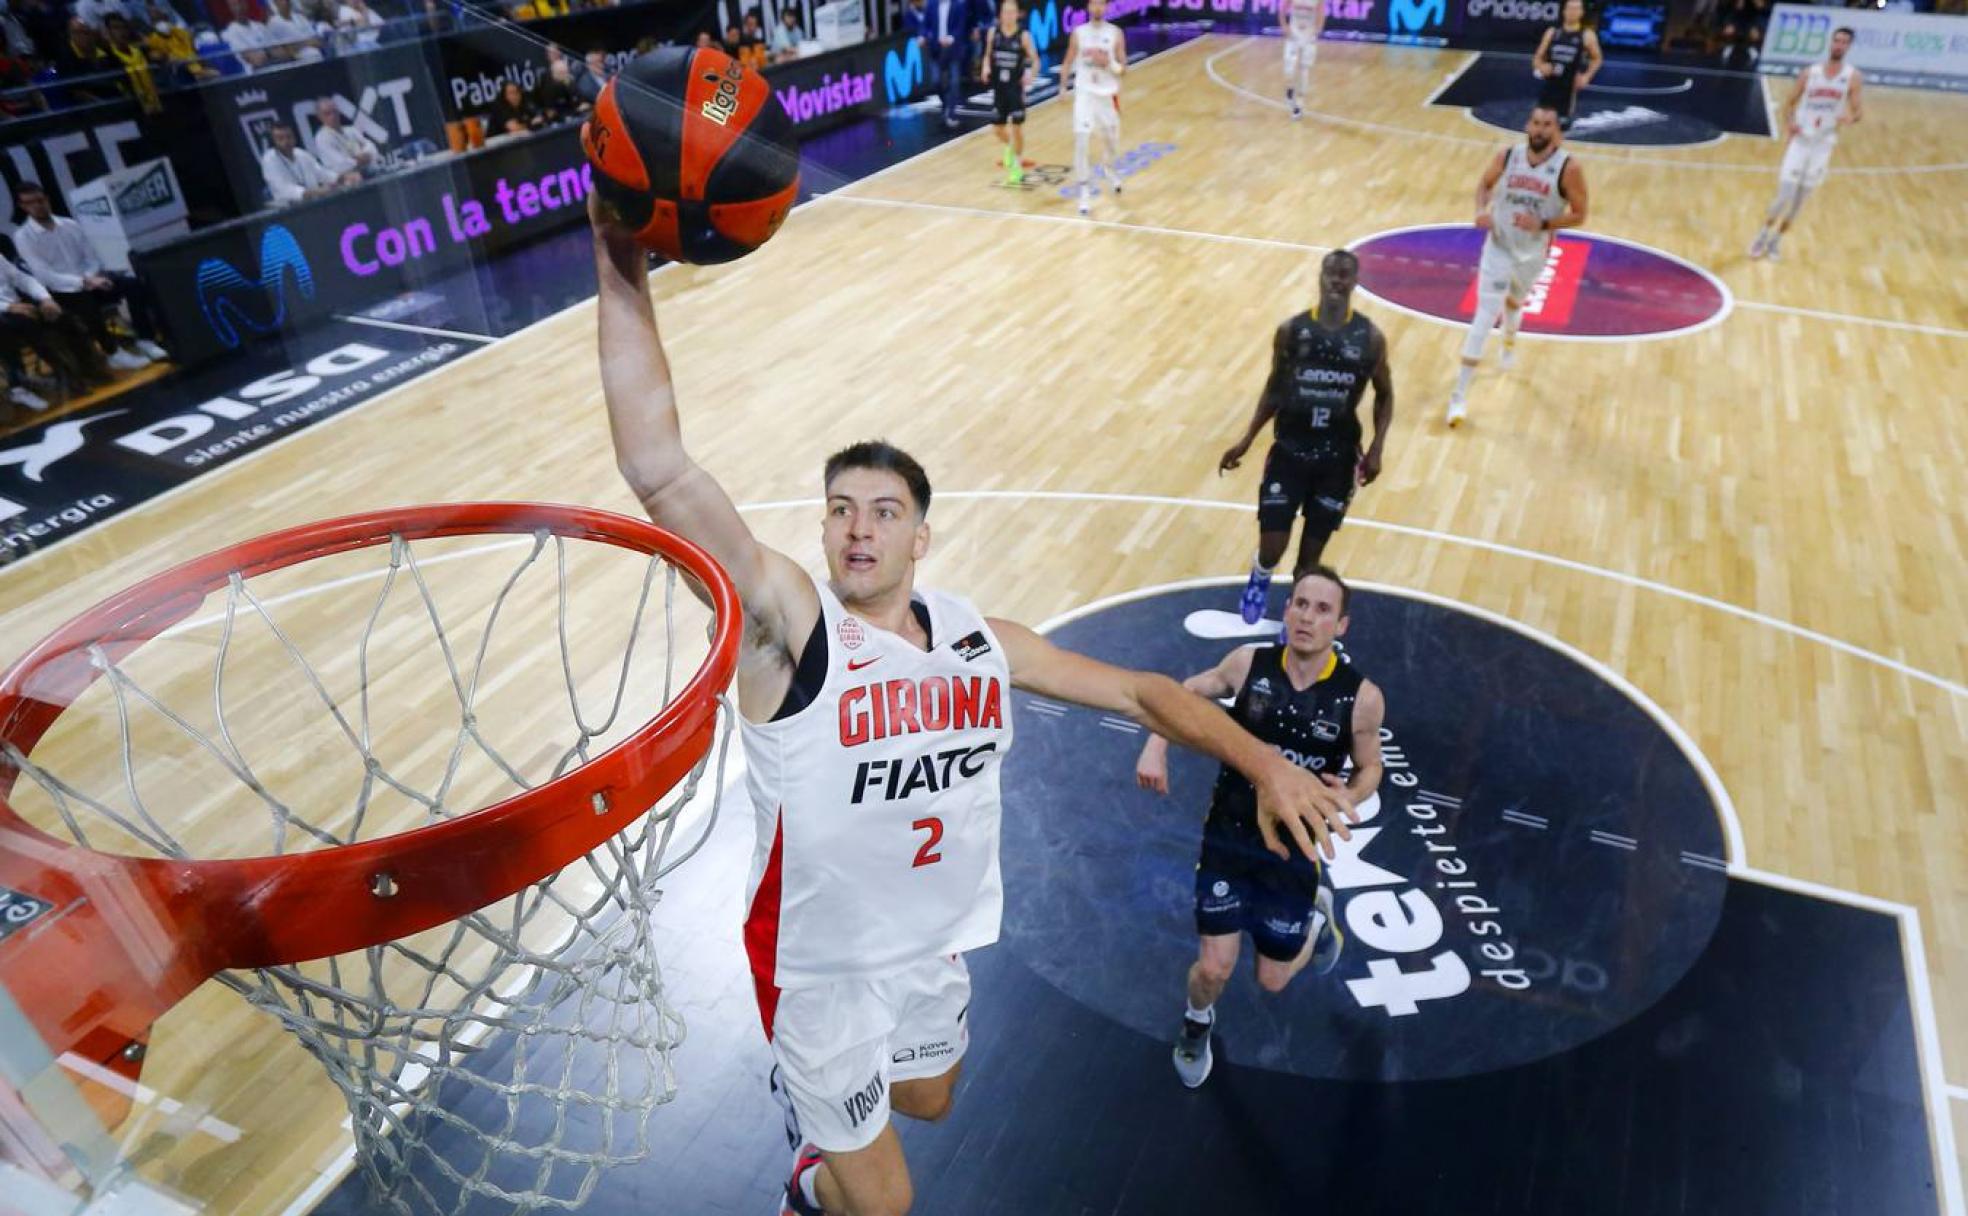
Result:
x=858 y=664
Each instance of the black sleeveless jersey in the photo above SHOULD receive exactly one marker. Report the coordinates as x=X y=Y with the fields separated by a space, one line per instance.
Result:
x=1324 y=373
x=1313 y=729
x=1007 y=56
x=1566 y=52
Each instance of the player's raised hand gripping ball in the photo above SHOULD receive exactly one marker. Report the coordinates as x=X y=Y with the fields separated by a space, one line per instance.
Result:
x=693 y=155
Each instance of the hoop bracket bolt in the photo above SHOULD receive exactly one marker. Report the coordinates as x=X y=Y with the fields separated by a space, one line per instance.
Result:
x=135 y=1052
x=382 y=884
x=600 y=802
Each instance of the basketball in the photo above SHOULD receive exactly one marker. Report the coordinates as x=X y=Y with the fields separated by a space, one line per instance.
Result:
x=692 y=155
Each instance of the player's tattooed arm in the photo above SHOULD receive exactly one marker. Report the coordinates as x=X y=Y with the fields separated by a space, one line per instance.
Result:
x=1383 y=412
x=1220 y=681
x=1287 y=795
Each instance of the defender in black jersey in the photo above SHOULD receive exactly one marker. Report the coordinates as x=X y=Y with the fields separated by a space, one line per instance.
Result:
x=1321 y=714
x=1321 y=363
x=1567 y=59
x=1007 y=65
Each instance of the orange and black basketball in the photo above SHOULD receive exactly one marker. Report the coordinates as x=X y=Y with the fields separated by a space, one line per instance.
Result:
x=691 y=153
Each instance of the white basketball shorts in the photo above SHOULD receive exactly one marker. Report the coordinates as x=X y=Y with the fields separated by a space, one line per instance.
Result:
x=841 y=1045
x=1297 y=50
x=1807 y=160
x=1502 y=273
x=1096 y=113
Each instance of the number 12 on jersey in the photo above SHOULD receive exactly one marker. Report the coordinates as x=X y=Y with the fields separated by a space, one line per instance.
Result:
x=927 y=854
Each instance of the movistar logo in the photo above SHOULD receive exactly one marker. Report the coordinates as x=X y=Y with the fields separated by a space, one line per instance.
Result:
x=1413 y=16
x=903 y=73
x=230 y=299
x=1044 y=25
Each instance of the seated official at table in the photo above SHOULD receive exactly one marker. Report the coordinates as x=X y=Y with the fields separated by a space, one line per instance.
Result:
x=515 y=113
x=62 y=258
x=292 y=172
x=29 y=317
x=341 y=148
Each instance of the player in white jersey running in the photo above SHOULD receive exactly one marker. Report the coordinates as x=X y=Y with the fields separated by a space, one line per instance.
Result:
x=874 y=716
x=1527 y=192
x=1825 y=98
x=1302 y=22
x=1096 y=57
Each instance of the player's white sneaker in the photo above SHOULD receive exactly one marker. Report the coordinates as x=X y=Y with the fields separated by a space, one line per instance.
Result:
x=20 y=395
x=1086 y=202
x=1759 y=246
x=152 y=351
x=1770 y=253
x=128 y=361
x=1193 y=1056
x=1458 y=410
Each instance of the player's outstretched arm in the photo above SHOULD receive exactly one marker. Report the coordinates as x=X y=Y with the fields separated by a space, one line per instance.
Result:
x=1286 y=794
x=1222 y=680
x=642 y=418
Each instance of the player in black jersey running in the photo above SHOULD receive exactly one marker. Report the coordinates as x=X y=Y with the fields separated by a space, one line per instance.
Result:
x=1316 y=708
x=1007 y=65
x=1567 y=59
x=1321 y=363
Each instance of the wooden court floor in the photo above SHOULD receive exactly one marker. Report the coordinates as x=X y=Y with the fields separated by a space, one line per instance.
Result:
x=1761 y=525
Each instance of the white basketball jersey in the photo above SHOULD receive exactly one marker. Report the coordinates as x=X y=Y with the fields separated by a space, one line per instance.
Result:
x=877 y=804
x=1101 y=36
x=1304 y=19
x=1823 y=101
x=1526 y=189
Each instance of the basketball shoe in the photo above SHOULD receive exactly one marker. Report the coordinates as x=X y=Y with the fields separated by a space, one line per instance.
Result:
x=1193 y=1056
x=793 y=1202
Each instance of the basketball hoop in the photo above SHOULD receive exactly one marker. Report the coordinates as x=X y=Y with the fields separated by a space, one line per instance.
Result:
x=393 y=920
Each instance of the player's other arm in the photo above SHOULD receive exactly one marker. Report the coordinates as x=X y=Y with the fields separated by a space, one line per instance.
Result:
x=1790 y=103
x=1119 y=64
x=1852 y=113
x=1369 y=711
x=1267 y=402
x=1222 y=680
x=984 y=60
x=1383 y=413
x=1593 y=58
x=1286 y=794
x=1066 y=64
x=1486 y=186
x=642 y=419
x=1571 y=188
x=1031 y=57
x=1541 y=58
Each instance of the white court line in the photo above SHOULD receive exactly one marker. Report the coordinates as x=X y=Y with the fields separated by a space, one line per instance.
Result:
x=405 y=327
x=1209 y=69
x=144 y=1095
x=1914 y=954
x=1958 y=1092
x=1731 y=300
x=1449 y=80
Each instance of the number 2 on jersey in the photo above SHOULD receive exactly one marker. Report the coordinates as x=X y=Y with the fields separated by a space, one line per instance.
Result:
x=927 y=855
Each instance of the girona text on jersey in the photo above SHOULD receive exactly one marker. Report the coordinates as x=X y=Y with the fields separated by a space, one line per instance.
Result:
x=885 y=708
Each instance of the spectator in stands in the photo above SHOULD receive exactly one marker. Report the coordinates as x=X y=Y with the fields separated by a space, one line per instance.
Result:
x=559 y=99
x=947 y=30
x=169 y=42
x=84 y=66
x=46 y=23
x=96 y=11
x=60 y=255
x=361 y=26
x=123 y=47
x=293 y=173
x=704 y=40
x=30 y=317
x=15 y=41
x=292 y=34
x=342 y=149
x=732 y=41
x=1742 y=31
x=514 y=113
x=788 y=34
x=317 y=13
x=751 y=41
x=435 y=18
x=18 y=96
x=248 y=40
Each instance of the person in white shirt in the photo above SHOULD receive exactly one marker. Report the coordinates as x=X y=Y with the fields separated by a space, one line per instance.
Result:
x=342 y=149
x=784 y=41
x=59 y=254
x=248 y=40
x=292 y=172
x=286 y=31
x=29 y=316
x=361 y=25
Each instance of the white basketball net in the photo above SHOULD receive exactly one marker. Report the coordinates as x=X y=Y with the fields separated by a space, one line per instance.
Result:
x=510 y=1055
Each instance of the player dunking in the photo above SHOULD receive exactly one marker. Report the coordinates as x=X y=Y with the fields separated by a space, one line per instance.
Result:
x=1566 y=60
x=1321 y=363
x=1825 y=98
x=1007 y=65
x=1318 y=711
x=1302 y=22
x=1527 y=193
x=874 y=715
x=1096 y=56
